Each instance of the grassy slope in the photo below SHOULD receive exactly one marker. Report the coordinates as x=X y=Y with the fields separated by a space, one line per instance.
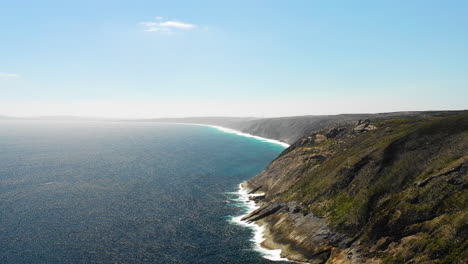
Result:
x=400 y=189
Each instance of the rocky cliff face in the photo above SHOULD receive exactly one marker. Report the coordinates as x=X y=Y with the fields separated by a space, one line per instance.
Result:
x=373 y=191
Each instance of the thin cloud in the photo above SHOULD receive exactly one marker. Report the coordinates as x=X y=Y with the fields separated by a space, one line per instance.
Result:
x=176 y=24
x=167 y=26
x=6 y=76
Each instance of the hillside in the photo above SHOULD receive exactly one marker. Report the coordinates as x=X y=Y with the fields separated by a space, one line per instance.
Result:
x=373 y=191
x=290 y=129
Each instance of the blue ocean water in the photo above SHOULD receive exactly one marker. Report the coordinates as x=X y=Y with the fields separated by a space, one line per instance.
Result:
x=117 y=192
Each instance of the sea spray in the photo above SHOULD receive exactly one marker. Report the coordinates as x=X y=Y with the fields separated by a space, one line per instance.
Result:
x=243 y=200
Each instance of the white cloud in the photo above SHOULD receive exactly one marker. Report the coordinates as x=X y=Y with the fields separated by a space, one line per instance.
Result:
x=167 y=26
x=6 y=75
x=175 y=24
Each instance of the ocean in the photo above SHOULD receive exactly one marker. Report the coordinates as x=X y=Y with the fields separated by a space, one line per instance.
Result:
x=126 y=192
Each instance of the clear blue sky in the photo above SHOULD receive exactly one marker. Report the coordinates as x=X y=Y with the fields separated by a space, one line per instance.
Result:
x=237 y=58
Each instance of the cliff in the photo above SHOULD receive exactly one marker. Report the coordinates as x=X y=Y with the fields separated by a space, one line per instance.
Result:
x=375 y=191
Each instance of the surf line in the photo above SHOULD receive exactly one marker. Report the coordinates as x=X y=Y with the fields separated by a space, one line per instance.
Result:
x=239 y=133
x=258 y=238
x=250 y=205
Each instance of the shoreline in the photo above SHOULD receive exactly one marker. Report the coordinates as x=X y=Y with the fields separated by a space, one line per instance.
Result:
x=237 y=132
x=260 y=237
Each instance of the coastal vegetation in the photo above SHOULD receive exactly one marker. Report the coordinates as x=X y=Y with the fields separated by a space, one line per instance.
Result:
x=385 y=191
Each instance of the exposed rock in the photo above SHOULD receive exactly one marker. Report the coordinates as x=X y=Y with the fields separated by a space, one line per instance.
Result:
x=334 y=132
x=262 y=212
x=363 y=126
x=320 y=138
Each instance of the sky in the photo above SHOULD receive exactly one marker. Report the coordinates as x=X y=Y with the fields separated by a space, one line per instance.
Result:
x=143 y=59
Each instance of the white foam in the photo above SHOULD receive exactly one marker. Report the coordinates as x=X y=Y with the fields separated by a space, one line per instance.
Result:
x=239 y=133
x=258 y=238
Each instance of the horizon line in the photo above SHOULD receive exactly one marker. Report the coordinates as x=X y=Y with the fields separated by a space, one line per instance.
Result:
x=84 y=117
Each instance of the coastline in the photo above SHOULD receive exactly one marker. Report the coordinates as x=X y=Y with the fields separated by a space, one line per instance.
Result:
x=240 y=133
x=261 y=238
x=237 y=132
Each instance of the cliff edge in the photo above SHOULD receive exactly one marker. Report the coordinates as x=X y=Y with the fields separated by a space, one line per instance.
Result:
x=372 y=191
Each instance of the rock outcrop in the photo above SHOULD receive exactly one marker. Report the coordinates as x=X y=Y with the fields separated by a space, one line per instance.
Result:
x=363 y=126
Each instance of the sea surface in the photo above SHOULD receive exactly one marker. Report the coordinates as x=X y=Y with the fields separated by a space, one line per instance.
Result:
x=125 y=192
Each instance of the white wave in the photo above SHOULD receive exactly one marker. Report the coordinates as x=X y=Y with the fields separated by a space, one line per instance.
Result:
x=258 y=238
x=239 y=133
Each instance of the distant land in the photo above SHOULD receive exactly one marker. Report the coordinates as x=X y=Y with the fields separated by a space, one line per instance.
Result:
x=285 y=129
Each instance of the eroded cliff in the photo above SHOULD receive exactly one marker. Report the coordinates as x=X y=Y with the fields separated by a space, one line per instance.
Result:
x=391 y=191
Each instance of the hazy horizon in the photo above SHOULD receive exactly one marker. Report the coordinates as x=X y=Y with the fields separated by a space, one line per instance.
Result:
x=72 y=117
x=154 y=59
